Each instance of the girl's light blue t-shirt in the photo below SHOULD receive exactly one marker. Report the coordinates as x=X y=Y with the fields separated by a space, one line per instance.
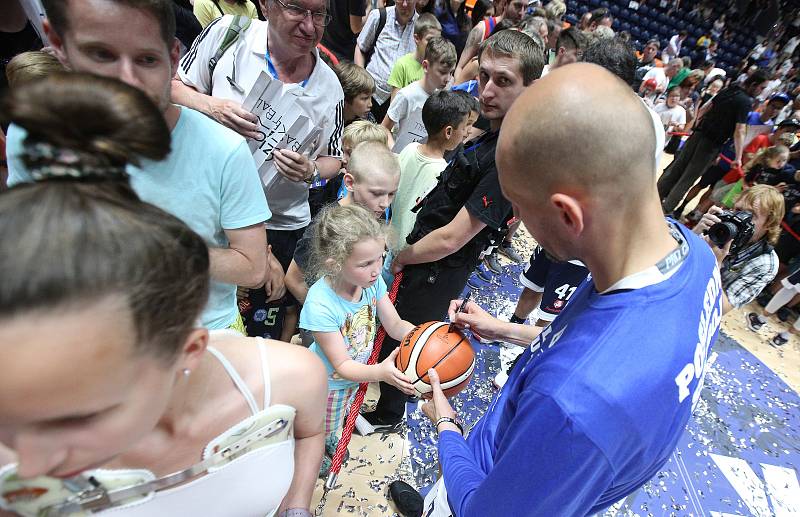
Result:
x=326 y=311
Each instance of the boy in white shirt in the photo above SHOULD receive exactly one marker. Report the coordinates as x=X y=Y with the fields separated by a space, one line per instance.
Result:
x=405 y=111
x=445 y=116
x=672 y=114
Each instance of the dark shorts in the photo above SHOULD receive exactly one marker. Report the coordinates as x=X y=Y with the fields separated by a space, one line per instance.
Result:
x=262 y=319
x=787 y=248
x=556 y=281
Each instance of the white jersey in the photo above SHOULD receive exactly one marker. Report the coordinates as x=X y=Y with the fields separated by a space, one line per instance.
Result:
x=320 y=97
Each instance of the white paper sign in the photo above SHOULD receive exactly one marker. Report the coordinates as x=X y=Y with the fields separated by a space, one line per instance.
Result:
x=282 y=124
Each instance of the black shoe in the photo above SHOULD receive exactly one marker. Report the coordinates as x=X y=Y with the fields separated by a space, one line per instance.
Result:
x=492 y=265
x=754 y=321
x=381 y=424
x=778 y=340
x=407 y=500
x=508 y=250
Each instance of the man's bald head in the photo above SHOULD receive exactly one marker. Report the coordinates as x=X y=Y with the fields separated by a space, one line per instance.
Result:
x=579 y=129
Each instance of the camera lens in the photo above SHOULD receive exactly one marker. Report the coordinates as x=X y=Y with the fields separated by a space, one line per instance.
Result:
x=721 y=233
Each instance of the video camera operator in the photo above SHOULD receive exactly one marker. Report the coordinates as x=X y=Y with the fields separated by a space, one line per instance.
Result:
x=742 y=240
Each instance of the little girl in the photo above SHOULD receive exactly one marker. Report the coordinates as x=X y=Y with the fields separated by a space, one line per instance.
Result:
x=342 y=308
x=769 y=168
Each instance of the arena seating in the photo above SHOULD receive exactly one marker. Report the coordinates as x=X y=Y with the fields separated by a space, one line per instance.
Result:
x=650 y=22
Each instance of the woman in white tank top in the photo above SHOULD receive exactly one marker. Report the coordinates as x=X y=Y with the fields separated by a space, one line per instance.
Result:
x=106 y=381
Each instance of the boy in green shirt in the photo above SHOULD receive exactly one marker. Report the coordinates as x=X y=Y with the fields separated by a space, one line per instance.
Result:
x=408 y=68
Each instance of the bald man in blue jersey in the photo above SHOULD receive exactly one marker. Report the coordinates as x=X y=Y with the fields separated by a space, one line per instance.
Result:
x=600 y=398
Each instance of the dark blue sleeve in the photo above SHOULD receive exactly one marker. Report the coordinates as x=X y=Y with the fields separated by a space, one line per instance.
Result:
x=544 y=464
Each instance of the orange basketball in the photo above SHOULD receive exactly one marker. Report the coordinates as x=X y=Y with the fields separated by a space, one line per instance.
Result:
x=430 y=345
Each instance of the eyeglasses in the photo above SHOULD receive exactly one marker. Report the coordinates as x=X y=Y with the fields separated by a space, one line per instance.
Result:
x=298 y=14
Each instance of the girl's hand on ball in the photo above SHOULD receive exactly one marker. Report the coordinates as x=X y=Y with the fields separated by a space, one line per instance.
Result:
x=437 y=406
x=395 y=377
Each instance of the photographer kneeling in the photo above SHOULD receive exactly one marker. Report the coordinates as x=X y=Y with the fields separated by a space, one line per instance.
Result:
x=742 y=241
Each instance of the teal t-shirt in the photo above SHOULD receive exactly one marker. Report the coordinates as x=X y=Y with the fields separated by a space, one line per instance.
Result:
x=326 y=311
x=209 y=181
x=405 y=71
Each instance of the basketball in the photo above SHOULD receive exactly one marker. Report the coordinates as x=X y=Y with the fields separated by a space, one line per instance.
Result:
x=430 y=345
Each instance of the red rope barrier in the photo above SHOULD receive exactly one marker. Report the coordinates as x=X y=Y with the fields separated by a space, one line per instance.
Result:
x=789 y=230
x=355 y=408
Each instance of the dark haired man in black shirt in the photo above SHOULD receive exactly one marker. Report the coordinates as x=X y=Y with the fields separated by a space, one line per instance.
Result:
x=723 y=116
x=466 y=212
x=347 y=20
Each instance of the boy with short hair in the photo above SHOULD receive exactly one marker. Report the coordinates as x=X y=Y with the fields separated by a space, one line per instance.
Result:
x=406 y=108
x=445 y=116
x=357 y=132
x=408 y=68
x=371 y=180
x=358 y=87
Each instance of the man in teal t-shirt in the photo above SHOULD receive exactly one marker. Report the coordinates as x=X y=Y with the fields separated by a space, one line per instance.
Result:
x=209 y=180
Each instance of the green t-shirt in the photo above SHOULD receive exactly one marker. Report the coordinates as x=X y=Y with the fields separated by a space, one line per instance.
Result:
x=405 y=71
x=206 y=11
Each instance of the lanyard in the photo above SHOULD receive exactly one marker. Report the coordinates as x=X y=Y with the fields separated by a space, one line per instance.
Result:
x=274 y=73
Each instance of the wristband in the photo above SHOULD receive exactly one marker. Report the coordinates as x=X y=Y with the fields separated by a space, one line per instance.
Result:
x=450 y=420
x=295 y=512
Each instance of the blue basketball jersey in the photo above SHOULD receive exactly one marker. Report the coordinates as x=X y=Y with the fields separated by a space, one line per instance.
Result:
x=597 y=402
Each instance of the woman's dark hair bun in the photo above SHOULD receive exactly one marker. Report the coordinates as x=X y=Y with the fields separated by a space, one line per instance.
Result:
x=93 y=116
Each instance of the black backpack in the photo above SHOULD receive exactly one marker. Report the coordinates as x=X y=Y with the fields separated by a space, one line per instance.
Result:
x=381 y=25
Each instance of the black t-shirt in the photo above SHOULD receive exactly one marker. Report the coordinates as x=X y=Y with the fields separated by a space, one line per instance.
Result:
x=730 y=107
x=470 y=181
x=338 y=37
x=763 y=175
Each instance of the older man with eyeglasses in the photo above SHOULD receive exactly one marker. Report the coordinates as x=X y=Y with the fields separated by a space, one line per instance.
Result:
x=284 y=47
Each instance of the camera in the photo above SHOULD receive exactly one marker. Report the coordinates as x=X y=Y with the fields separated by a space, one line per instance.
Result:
x=736 y=226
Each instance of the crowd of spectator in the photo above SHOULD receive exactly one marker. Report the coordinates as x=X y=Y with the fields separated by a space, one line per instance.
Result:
x=312 y=152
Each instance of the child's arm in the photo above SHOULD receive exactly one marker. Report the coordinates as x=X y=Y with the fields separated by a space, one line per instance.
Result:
x=398 y=110
x=332 y=344
x=296 y=282
x=396 y=327
x=388 y=123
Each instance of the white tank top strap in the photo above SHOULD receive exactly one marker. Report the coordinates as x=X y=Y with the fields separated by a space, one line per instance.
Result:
x=236 y=378
x=262 y=350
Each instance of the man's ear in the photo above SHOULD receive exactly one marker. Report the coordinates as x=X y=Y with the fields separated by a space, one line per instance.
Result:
x=56 y=43
x=425 y=65
x=570 y=213
x=175 y=55
x=448 y=132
